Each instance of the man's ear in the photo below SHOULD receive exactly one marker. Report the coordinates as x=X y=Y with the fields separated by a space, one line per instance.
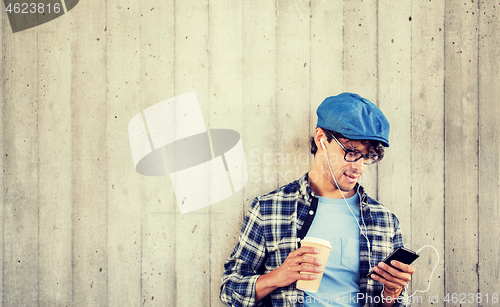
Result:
x=319 y=135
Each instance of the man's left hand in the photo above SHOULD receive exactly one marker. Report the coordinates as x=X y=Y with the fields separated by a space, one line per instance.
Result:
x=394 y=277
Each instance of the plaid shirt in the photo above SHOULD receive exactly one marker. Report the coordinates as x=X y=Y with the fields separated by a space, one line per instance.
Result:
x=269 y=234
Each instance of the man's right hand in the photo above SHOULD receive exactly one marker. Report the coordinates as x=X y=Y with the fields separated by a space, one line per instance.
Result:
x=291 y=270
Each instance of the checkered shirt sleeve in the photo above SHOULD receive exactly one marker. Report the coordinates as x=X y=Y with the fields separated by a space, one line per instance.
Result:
x=245 y=265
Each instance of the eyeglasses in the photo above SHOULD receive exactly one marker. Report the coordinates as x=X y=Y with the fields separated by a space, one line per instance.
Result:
x=353 y=155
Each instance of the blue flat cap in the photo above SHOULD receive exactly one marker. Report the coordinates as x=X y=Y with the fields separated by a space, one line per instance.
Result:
x=354 y=117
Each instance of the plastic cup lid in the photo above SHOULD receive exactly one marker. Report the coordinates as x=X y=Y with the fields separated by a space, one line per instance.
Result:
x=317 y=241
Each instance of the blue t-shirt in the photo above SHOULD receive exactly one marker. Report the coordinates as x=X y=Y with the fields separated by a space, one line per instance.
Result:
x=335 y=223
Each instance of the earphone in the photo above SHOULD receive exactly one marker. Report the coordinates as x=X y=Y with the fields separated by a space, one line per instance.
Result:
x=368 y=241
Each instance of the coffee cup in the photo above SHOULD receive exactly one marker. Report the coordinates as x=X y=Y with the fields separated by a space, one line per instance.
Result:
x=324 y=248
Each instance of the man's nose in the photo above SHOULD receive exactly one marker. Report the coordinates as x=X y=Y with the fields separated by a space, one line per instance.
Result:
x=359 y=165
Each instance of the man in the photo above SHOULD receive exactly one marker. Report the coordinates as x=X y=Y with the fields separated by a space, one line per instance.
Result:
x=327 y=203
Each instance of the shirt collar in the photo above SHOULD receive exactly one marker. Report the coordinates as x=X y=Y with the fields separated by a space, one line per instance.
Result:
x=305 y=189
x=365 y=205
x=361 y=192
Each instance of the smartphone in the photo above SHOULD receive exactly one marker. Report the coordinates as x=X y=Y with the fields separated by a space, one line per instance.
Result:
x=402 y=254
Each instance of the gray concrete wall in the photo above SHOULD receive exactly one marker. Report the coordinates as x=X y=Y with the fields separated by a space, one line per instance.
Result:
x=80 y=227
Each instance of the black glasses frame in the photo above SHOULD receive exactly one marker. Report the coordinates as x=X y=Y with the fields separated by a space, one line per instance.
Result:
x=366 y=158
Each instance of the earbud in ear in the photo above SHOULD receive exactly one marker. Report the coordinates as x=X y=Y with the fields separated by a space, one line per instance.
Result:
x=322 y=144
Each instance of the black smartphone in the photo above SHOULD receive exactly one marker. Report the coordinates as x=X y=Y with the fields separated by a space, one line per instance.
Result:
x=402 y=254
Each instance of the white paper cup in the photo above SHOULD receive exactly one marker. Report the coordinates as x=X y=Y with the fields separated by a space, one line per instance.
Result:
x=324 y=248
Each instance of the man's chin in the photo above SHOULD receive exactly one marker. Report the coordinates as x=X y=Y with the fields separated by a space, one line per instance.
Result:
x=347 y=189
x=344 y=186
